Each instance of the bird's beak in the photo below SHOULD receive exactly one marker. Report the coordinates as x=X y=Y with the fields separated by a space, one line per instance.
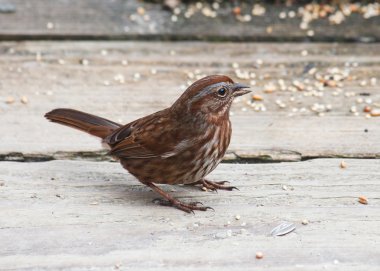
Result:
x=239 y=89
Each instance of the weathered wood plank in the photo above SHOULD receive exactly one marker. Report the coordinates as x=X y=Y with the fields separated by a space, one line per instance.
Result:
x=77 y=215
x=96 y=19
x=164 y=68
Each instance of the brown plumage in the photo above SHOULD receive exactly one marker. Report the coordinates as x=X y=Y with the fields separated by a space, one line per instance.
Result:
x=178 y=145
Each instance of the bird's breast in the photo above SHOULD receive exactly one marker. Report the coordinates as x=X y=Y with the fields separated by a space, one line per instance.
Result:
x=188 y=165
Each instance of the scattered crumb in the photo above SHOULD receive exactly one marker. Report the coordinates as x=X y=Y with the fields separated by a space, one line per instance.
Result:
x=367 y=109
x=237 y=217
x=305 y=222
x=24 y=99
x=343 y=164
x=259 y=255
x=256 y=97
x=10 y=100
x=363 y=200
x=375 y=113
x=50 y=25
x=84 y=62
x=38 y=56
x=236 y=10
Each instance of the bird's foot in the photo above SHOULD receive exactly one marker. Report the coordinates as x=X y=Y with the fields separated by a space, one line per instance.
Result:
x=214 y=186
x=173 y=202
x=186 y=207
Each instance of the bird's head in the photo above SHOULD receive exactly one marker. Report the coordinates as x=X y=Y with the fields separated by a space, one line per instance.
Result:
x=210 y=96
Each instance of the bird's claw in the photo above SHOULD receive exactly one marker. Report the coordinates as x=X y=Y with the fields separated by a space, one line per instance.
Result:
x=214 y=186
x=186 y=207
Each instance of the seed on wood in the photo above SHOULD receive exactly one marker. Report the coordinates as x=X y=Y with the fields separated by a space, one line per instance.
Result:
x=363 y=200
x=259 y=62
x=305 y=222
x=375 y=113
x=343 y=164
x=49 y=25
x=38 y=56
x=283 y=228
x=310 y=33
x=236 y=10
x=291 y=14
x=257 y=97
x=367 y=109
x=259 y=255
x=174 y=18
x=10 y=100
x=331 y=83
x=141 y=10
x=363 y=83
x=84 y=62
x=24 y=99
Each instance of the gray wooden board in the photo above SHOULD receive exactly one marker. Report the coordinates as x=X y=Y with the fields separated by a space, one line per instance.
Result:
x=96 y=19
x=79 y=215
x=277 y=134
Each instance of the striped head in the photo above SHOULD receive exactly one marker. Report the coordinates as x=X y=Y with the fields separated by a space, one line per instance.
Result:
x=210 y=96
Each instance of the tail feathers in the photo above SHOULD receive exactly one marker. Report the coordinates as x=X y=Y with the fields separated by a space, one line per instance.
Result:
x=88 y=123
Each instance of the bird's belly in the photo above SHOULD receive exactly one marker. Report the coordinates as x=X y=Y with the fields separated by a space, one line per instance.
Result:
x=182 y=168
x=186 y=166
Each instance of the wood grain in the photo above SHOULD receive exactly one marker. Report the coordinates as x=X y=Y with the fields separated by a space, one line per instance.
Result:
x=96 y=19
x=276 y=134
x=77 y=215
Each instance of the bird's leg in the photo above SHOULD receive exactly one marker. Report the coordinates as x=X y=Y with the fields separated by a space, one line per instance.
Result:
x=214 y=186
x=170 y=201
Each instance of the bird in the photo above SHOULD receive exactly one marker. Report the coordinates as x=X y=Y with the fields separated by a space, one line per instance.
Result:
x=181 y=144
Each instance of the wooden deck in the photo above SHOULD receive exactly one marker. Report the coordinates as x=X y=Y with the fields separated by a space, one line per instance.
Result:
x=108 y=88
x=66 y=206
x=79 y=215
x=118 y=19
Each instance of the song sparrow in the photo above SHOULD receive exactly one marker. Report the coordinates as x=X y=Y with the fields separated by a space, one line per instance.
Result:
x=178 y=145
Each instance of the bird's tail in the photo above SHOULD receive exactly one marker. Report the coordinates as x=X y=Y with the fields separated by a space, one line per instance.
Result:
x=88 y=123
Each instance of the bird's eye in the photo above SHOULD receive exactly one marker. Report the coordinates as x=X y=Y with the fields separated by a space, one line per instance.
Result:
x=222 y=92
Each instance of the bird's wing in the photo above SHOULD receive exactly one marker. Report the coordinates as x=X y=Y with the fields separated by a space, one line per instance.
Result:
x=149 y=137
